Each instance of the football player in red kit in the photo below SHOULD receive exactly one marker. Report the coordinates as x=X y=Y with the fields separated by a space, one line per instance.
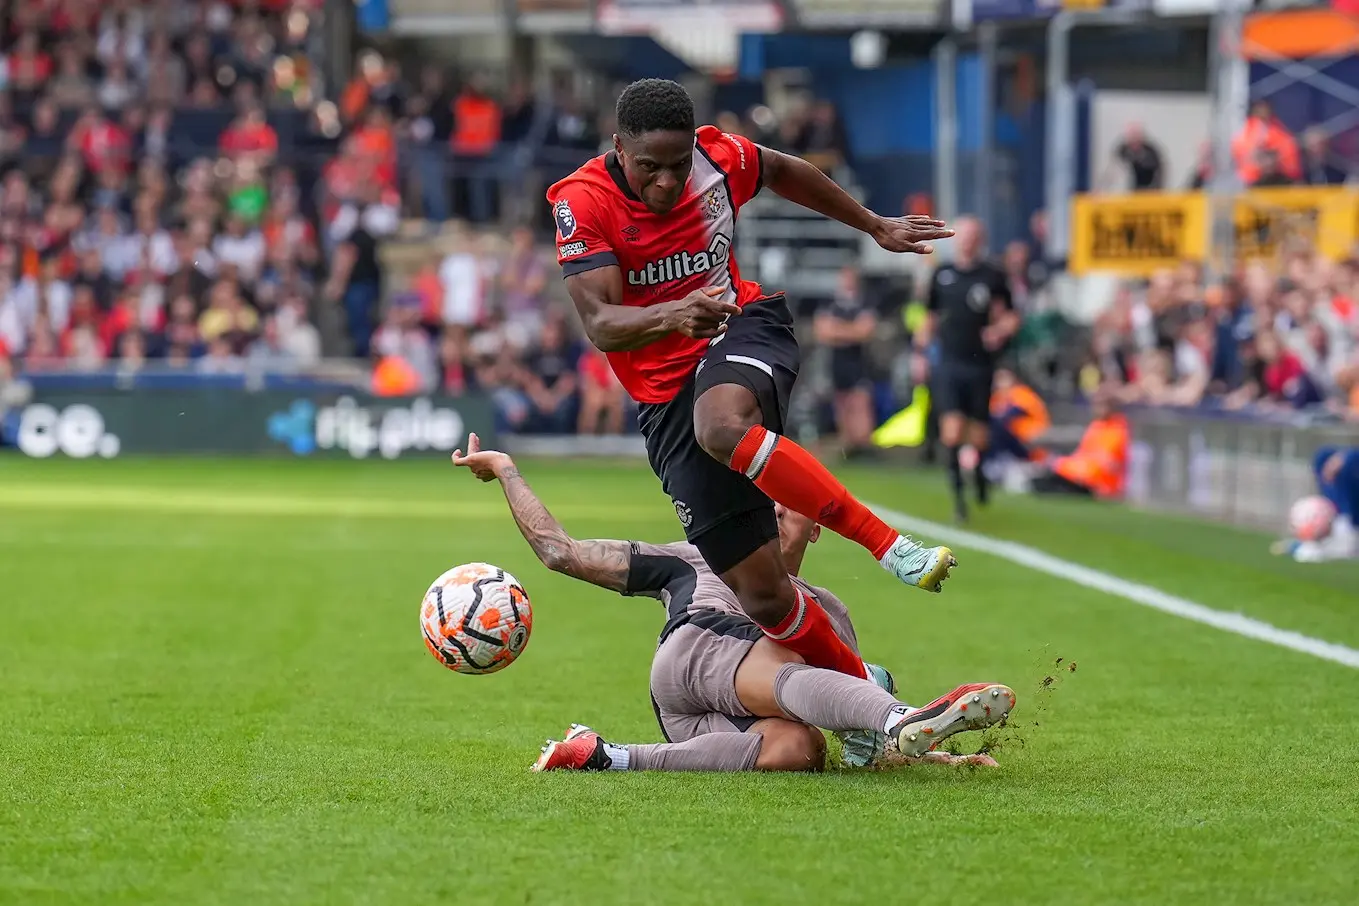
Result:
x=644 y=238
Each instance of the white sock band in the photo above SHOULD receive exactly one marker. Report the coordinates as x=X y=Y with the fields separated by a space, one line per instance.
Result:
x=618 y=757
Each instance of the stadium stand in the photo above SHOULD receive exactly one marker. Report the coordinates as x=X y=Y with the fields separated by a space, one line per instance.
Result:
x=182 y=196
x=1276 y=329
x=159 y=202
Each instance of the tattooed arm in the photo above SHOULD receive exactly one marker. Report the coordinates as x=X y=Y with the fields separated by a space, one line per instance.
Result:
x=599 y=562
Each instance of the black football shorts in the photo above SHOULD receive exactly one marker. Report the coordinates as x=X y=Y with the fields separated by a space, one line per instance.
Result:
x=724 y=515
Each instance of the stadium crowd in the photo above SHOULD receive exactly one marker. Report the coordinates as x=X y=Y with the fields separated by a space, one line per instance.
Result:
x=1265 y=153
x=176 y=189
x=1276 y=335
x=144 y=211
x=178 y=192
x=1268 y=339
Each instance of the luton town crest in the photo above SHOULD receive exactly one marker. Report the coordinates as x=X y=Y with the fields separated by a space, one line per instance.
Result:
x=712 y=203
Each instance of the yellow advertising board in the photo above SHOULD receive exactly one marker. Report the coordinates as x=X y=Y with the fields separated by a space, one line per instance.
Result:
x=1325 y=216
x=1138 y=234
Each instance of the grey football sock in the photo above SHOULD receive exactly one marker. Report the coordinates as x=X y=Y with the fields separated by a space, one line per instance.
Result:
x=831 y=700
x=710 y=752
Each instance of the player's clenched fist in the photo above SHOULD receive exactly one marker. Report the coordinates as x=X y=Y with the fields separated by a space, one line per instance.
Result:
x=702 y=314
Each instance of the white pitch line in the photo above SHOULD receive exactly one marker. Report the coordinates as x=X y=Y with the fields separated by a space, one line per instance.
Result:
x=1235 y=623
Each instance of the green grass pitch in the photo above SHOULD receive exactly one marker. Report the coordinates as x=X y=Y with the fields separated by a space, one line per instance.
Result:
x=213 y=690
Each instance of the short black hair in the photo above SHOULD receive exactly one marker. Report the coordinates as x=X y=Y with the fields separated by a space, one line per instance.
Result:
x=655 y=105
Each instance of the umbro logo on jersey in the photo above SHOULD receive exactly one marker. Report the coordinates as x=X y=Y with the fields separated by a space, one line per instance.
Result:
x=682 y=264
x=630 y=233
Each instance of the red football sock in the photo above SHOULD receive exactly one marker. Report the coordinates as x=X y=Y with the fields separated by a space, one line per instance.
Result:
x=793 y=477
x=808 y=631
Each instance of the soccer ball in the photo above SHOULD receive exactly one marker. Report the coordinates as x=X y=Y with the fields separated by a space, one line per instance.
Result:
x=1310 y=518
x=476 y=618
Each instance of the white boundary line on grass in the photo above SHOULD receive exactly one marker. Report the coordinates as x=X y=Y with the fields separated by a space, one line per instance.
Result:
x=1031 y=558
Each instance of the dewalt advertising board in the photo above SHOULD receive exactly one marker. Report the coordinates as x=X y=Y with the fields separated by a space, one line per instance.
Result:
x=1138 y=234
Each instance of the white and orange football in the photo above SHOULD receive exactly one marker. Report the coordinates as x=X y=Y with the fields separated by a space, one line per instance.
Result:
x=1311 y=518
x=476 y=618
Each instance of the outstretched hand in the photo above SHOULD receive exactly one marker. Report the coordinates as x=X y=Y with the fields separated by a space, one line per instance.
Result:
x=486 y=465
x=911 y=233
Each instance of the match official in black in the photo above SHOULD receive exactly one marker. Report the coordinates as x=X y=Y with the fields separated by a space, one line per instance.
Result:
x=971 y=318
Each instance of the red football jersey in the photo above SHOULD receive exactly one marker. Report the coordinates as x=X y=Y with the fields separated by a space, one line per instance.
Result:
x=602 y=223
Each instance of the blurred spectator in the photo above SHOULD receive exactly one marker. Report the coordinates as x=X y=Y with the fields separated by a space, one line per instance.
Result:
x=1019 y=417
x=13 y=329
x=29 y=66
x=241 y=246
x=1202 y=175
x=117 y=90
x=374 y=140
x=456 y=373
x=496 y=373
x=476 y=133
x=1271 y=170
x=181 y=328
x=270 y=352
x=1142 y=158
x=44 y=293
x=602 y=400
x=570 y=128
x=845 y=325
x=1283 y=381
x=1318 y=168
x=548 y=379
x=429 y=130
x=221 y=359
x=1264 y=148
x=821 y=138
x=356 y=274
x=402 y=336
x=375 y=82
x=131 y=353
x=1099 y=465
x=44 y=348
x=519 y=118
x=463 y=278
x=71 y=88
x=163 y=73
x=523 y=279
x=394 y=376
x=289 y=236
x=250 y=136
x=300 y=338
x=227 y=318
x=1023 y=276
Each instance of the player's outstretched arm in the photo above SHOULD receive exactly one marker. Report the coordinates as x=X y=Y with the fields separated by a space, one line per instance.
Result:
x=805 y=184
x=600 y=562
x=615 y=327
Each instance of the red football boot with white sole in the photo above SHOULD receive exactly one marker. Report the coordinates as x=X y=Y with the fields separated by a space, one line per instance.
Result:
x=580 y=750
x=974 y=706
